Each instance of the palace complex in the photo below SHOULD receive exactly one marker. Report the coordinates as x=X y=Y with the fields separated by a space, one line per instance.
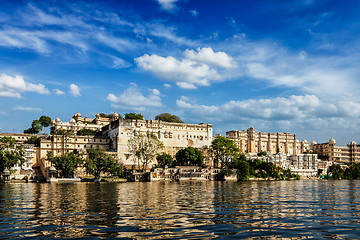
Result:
x=114 y=133
x=249 y=141
x=77 y=122
x=174 y=136
x=341 y=154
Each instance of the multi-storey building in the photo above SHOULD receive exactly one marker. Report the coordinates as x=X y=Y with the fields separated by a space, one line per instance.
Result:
x=305 y=165
x=342 y=154
x=249 y=141
x=174 y=136
x=77 y=123
x=62 y=144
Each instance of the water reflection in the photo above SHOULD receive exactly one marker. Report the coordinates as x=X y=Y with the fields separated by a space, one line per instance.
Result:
x=181 y=210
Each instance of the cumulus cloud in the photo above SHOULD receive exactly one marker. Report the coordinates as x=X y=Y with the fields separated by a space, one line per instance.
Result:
x=59 y=92
x=14 y=86
x=133 y=99
x=27 y=109
x=208 y=56
x=167 y=5
x=293 y=108
x=200 y=68
x=74 y=90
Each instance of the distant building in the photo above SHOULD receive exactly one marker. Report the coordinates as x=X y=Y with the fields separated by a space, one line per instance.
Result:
x=341 y=154
x=174 y=136
x=305 y=165
x=249 y=141
x=77 y=123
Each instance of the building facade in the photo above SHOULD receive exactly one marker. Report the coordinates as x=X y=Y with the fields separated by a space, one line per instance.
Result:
x=63 y=144
x=341 y=154
x=305 y=165
x=174 y=136
x=77 y=123
x=250 y=141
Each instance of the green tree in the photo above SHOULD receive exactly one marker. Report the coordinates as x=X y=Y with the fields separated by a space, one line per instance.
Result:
x=35 y=127
x=262 y=153
x=103 y=115
x=61 y=131
x=99 y=162
x=134 y=116
x=164 y=159
x=10 y=154
x=189 y=157
x=353 y=171
x=243 y=170
x=224 y=151
x=45 y=121
x=167 y=117
x=144 y=148
x=65 y=164
x=87 y=132
x=34 y=140
x=336 y=172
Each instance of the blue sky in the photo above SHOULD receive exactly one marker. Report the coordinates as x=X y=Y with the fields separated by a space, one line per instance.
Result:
x=280 y=66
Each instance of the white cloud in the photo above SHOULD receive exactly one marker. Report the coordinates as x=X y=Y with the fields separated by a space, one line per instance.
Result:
x=200 y=68
x=165 y=33
x=74 y=90
x=167 y=85
x=168 y=5
x=133 y=99
x=208 y=56
x=307 y=107
x=27 y=109
x=14 y=86
x=194 y=12
x=120 y=63
x=59 y=92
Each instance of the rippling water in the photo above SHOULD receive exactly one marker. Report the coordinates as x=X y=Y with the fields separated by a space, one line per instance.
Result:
x=181 y=210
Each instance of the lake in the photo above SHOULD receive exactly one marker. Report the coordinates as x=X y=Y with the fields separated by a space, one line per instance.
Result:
x=315 y=209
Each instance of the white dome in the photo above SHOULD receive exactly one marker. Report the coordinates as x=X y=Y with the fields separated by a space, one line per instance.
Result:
x=332 y=140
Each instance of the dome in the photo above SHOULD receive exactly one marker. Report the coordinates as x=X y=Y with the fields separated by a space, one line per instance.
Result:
x=351 y=143
x=304 y=141
x=332 y=140
x=72 y=120
x=97 y=115
x=115 y=114
x=313 y=142
x=57 y=120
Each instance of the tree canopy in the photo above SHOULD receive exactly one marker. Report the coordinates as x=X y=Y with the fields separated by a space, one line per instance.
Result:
x=38 y=125
x=99 y=162
x=45 y=121
x=138 y=116
x=65 y=164
x=335 y=171
x=224 y=150
x=167 y=117
x=189 y=156
x=164 y=159
x=87 y=132
x=10 y=153
x=35 y=127
x=144 y=148
x=34 y=140
x=103 y=115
